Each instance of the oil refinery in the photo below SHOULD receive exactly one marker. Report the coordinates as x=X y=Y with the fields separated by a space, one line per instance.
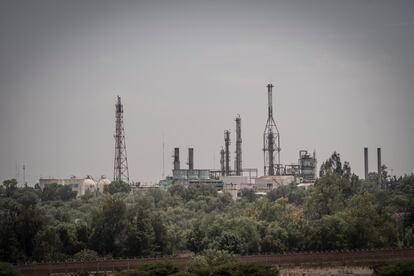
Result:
x=226 y=179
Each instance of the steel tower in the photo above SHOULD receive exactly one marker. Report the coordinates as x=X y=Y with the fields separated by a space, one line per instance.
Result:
x=120 y=162
x=271 y=140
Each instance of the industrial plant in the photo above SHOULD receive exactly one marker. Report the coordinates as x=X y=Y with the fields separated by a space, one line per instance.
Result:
x=226 y=179
x=232 y=180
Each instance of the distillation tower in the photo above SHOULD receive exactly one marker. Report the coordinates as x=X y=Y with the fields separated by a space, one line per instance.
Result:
x=120 y=161
x=227 y=151
x=222 y=167
x=271 y=140
x=238 y=159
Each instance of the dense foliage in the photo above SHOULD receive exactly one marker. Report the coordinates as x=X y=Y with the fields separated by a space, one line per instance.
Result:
x=339 y=212
x=400 y=269
x=210 y=263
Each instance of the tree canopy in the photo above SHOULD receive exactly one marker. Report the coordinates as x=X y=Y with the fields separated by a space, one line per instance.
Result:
x=339 y=212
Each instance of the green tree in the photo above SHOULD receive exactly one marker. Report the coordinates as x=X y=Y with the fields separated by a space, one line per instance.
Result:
x=274 y=239
x=248 y=194
x=10 y=186
x=108 y=226
x=7 y=269
x=140 y=233
x=332 y=166
x=292 y=192
x=117 y=187
x=56 y=191
x=326 y=198
x=231 y=242
x=195 y=239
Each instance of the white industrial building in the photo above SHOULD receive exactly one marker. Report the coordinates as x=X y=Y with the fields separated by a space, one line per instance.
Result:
x=81 y=186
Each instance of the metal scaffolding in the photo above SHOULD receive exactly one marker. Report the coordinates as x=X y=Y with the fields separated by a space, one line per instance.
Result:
x=271 y=140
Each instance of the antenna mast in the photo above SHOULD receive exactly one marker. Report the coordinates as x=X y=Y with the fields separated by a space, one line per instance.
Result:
x=120 y=162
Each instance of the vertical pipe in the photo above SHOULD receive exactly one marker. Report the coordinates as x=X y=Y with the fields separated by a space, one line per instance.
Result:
x=366 y=163
x=176 y=158
x=270 y=139
x=379 y=166
x=269 y=100
x=227 y=151
x=222 y=162
x=190 y=158
x=238 y=159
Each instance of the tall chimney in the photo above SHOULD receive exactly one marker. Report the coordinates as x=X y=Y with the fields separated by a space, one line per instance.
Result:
x=366 y=163
x=379 y=166
x=271 y=140
x=190 y=158
x=227 y=151
x=238 y=159
x=176 y=158
x=222 y=162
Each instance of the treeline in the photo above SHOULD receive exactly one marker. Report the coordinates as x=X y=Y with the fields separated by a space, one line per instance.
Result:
x=339 y=212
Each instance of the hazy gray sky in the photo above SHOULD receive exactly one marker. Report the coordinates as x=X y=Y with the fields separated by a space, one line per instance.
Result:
x=343 y=74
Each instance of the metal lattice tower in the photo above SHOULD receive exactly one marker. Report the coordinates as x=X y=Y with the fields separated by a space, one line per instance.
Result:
x=238 y=159
x=120 y=162
x=271 y=140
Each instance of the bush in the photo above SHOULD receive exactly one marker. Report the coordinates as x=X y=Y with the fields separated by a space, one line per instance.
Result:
x=161 y=269
x=7 y=269
x=400 y=269
x=245 y=270
x=86 y=255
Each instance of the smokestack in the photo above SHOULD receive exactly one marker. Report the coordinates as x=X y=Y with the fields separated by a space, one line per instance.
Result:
x=271 y=140
x=190 y=158
x=366 y=163
x=176 y=158
x=379 y=166
x=222 y=162
x=227 y=151
x=238 y=160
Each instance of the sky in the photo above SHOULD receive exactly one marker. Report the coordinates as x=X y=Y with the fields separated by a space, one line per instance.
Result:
x=343 y=73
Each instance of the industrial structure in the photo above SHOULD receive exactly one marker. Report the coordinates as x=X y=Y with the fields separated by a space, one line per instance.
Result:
x=379 y=164
x=232 y=180
x=176 y=159
x=271 y=140
x=190 y=175
x=227 y=152
x=225 y=169
x=190 y=158
x=222 y=167
x=307 y=166
x=372 y=176
x=238 y=159
x=366 y=163
x=120 y=161
x=81 y=186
